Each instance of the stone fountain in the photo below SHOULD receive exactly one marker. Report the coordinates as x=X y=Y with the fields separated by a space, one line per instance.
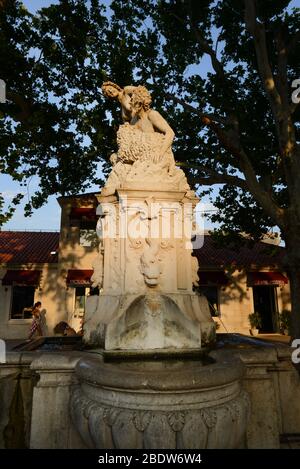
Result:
x=155 y=382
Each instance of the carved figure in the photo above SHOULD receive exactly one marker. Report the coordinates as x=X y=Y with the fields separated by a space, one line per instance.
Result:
x=145 y=134
x=144 y=142
x=150 y=266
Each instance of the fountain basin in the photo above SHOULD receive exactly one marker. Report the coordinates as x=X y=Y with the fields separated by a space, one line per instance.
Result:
x=160 y=403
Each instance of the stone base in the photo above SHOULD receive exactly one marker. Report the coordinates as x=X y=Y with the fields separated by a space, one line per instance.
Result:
x=172 y=404
x=44 y=382
x=149 y=321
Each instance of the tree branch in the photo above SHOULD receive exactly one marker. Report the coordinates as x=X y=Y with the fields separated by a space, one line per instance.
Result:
x=214 y=177
x=282 y=81
x=278 y=100
x=259 y=193
x=293 y=107
x=195 y=111
x=217 y=65
x=257 y=30
x=230 y=139
x=293 y=42
x=23 y=104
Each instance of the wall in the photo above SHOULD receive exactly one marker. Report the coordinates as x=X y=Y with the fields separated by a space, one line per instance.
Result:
x=236 y=303
x=18 y=328
x=71 y=256
x=16 y=391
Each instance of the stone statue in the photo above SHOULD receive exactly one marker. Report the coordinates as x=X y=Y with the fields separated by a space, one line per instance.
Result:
x=144 y=141
x=143 y=121
x=144 y=267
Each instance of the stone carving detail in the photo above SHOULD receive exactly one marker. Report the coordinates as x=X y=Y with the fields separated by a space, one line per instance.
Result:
x=154 y=304
x=141 y=419
x=110 y=415
x=150 y=266
x=195 y=268
x=144 y=142
x=176 y=420
x=209 y=417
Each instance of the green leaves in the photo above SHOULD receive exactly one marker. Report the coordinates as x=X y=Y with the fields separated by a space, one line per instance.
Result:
x=57 y=125
x=50 y=67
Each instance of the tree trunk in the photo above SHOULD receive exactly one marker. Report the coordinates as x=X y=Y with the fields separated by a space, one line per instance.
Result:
x=294 y=278
x=292 y=265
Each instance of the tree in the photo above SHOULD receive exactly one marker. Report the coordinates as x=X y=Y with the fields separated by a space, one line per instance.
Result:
x=235 y=125
x=54 y=124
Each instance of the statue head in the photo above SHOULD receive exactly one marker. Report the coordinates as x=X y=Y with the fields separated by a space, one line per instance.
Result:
x=111 y=90
x=133 y=99
x=140 y=99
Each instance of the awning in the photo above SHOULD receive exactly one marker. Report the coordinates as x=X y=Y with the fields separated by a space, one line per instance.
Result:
x=211 y=277
x=77 y=213
x=79 y=277
x=21 y=277
x=266 y=278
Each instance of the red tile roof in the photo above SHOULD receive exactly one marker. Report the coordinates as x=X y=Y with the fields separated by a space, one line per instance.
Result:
x=260 y=254
x=17 y=247
x=28 y=247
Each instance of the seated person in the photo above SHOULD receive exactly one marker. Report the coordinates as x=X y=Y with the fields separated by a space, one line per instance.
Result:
x=64 y=329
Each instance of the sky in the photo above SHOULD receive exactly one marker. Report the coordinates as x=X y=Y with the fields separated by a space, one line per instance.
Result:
x=48 y=217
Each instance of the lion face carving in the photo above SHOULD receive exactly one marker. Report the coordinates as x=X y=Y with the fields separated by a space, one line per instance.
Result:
x=150 y=266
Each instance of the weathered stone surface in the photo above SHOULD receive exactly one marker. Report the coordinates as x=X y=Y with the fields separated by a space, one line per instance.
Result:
x=161 y=404
x=16 y=389
x=145 y=267
x=51 y=426
x=271 y=382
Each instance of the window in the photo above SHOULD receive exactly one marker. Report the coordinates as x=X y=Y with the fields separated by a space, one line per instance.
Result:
x=86 y=224
x=22 y=302
x=266 y=304
x=80 y=294
x=88 y=238
x=212 y=295
x=80 y=297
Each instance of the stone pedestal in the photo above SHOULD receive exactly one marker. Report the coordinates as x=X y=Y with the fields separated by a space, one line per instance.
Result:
x=172 y=404
x=146 y=270
x=51 y=425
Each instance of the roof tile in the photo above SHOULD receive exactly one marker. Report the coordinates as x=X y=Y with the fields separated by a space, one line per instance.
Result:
x=260 y=254
x=24 y=247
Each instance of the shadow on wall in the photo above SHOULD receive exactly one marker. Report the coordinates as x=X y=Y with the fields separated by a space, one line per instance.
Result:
x=71 y=255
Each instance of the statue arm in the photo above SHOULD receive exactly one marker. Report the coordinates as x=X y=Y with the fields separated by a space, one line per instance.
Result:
x=162 y=126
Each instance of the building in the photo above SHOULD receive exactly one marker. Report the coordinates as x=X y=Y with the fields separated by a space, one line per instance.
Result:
x=240 y=282
x=28 y=269
x=56 y=268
